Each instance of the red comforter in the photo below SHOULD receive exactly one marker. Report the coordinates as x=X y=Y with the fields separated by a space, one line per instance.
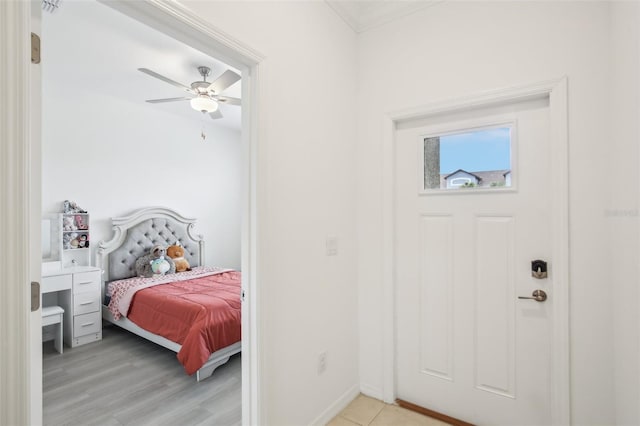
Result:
x=201 y=314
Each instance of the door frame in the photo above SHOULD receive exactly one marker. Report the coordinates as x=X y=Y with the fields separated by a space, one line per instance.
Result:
x=182 y=24
x=20 y=138
x=557 y=93
x=16 y=163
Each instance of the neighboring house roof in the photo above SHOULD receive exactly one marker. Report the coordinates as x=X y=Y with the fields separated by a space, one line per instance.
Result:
x=463 y=171
x=493 y=175
x=485 y=178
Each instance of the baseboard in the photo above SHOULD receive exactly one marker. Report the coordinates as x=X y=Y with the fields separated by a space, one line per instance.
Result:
x=433 y=414
x=372 y=391
x=336 y=407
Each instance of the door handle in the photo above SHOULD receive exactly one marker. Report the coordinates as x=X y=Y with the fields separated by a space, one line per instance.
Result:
x=538 y=296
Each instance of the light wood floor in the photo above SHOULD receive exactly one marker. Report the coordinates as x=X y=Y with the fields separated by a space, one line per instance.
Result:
x=126 y=380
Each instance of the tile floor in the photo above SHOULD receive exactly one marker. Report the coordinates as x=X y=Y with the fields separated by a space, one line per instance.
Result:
x=365 y=411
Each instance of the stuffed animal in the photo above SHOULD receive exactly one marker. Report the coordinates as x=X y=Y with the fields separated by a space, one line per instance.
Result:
x=159 y=266
x=79 y=221
x=176 y=253
x=144 y=263
x=68 y=224
x=66 y=241
x=83 y=242
x=72 y=207
x=74 y=240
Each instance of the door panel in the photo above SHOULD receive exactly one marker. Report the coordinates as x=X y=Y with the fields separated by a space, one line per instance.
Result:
x=466 y=345
x=494 y=305
x=436 y=333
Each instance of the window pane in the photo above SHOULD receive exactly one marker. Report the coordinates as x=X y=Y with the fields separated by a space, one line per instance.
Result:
x=471 y=159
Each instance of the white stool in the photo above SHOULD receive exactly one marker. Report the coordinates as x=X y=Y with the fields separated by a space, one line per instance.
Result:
x=53 y=315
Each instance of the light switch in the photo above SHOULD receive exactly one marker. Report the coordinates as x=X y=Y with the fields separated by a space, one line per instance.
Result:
x=332 y=245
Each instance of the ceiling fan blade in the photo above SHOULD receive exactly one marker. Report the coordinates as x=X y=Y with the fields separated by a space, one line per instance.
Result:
x=225 y=80
x=165 y=79
x=215 y=114
x=158 y=101
x=229 y=100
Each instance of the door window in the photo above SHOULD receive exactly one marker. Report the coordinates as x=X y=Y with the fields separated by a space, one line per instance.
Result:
x=468 y=159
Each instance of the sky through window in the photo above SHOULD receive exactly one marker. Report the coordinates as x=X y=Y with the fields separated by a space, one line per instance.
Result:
x=475 y=151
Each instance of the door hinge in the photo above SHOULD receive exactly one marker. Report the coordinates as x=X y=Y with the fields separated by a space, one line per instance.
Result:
x=35 y=296
x=35 y=48
x=242 y=295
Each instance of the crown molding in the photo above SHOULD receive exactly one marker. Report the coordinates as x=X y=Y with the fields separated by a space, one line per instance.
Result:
x=365 y=15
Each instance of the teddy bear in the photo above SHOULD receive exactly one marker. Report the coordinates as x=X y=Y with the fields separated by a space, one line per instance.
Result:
x=176 y=253
x=72 y=207
x=144 y=264
x=68 y=224
x=74 y=240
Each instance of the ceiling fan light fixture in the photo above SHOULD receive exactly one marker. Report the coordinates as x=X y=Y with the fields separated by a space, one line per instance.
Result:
x=204 y=103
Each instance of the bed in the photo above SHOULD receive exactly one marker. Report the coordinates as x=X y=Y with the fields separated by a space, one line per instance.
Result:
x=133 y=236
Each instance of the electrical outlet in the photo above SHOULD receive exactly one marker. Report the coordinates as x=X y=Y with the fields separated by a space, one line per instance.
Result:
x=322 y=362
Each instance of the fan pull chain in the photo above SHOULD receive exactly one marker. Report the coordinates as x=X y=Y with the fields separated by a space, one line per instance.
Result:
x=203 y=136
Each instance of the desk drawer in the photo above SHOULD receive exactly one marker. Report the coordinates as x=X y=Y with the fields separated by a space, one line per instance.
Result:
x=56 y=283
x=83 y=303
x=87 y=324
x=84 y=282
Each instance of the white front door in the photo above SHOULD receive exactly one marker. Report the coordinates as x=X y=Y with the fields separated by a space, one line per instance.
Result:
x=466 y=345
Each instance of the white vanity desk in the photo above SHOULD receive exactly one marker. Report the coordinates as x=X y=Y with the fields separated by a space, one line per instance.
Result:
x=77 y=291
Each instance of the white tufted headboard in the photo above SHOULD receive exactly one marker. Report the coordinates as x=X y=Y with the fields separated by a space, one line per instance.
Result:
x=135 y=234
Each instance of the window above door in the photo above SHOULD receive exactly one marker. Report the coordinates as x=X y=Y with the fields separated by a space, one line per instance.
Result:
x=467 y=159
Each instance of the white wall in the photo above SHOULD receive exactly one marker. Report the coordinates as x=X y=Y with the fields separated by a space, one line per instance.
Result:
x=454 y=49
x=307 y=191
x=309 y=187
x=622 y=211
x=113 y=153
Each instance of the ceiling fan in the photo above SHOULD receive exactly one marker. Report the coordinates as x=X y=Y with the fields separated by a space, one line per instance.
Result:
x=205 y=95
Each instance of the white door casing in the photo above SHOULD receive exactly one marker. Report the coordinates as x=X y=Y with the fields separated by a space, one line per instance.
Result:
x=556 y=91
x=35 y=210
x=21 y=403
x=180 y=23
x=19 y=385
x=466 y=347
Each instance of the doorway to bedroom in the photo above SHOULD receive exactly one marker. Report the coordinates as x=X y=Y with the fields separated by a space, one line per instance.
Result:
x=110 y=150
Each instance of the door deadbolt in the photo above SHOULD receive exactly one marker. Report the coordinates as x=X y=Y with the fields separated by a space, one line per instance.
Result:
x=539 y=269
